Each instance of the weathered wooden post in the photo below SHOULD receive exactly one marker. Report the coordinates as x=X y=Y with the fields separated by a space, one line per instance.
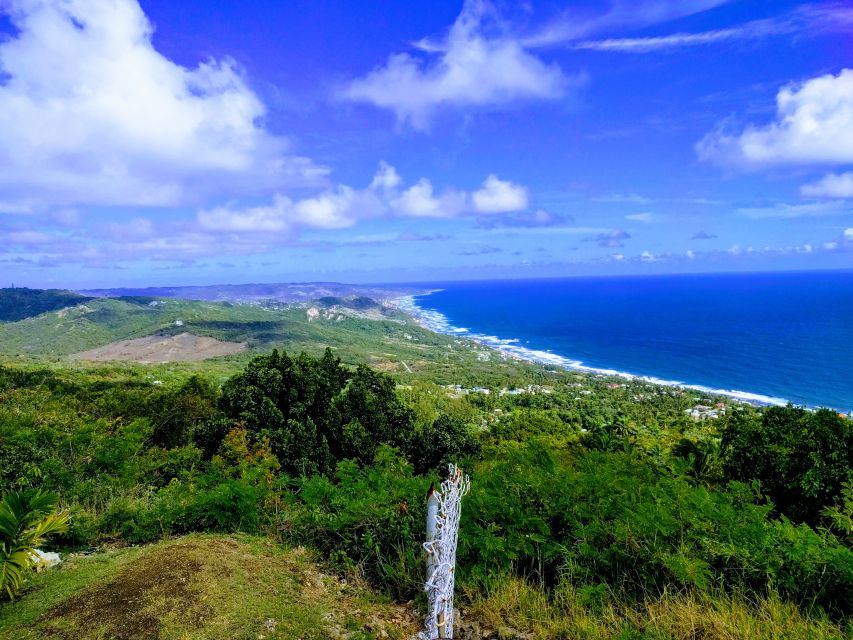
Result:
x=443 y=511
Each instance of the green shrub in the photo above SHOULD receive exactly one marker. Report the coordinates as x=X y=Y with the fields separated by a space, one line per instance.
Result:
x=802 y=458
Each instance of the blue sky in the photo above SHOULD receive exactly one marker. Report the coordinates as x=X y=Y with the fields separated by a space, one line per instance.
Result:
x=200 y=142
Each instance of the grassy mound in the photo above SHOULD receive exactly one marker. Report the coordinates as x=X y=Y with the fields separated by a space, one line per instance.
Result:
x=199 y=587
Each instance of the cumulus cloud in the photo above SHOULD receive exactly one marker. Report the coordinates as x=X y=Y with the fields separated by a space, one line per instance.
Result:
x=499 y=196
x=421 y=201
x=92 y=113
x=236 y=228
x=813 y=125
x=832 y=185
x=336 y=208
x=476 y=65
x=344 y=206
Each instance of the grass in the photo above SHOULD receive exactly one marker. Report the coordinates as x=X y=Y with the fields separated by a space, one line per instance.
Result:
x=516 y=609
x=196 y=588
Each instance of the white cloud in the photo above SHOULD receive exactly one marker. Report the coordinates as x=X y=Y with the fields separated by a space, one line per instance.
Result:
x=386 y=178
x=805 y=19
x=645 y=217
x=91 y=113
x=672 y=41
x=814 y=125
x=420 y=201
x=499 y=196
x=843 y=243
x=808 y=210
x=474 y=66
x=28 y=238
x=344 y=206
x=628 y=198
x=832 y=185
x=336 y=208
x=270 y=218
x=622 y=14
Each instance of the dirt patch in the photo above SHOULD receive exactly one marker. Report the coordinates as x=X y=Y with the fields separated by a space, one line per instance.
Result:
x=133 y=605
x=178 y=348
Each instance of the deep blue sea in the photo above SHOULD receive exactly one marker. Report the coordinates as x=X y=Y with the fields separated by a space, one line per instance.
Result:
x=767 y=337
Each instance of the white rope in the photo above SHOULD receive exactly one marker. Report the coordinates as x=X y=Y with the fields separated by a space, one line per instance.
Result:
x=441 y=554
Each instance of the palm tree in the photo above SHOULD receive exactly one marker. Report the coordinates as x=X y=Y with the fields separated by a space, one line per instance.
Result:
x=26 y=519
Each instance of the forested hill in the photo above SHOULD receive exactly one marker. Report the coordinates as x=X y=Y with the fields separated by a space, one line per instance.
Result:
x=18 y=303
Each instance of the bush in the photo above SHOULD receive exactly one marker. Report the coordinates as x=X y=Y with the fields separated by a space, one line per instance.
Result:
x=315 y=412
x=368 y=519
x=616 y=519
x=801 y=458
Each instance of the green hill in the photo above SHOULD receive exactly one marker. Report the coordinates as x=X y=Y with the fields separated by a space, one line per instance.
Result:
x=359 y=331
x=19 y=303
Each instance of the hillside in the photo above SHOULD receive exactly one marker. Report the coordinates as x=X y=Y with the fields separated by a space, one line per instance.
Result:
x=19 y=302
x=357 y=328
x=200 y=587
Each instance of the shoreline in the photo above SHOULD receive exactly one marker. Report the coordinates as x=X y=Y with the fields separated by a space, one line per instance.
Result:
x=439 y=323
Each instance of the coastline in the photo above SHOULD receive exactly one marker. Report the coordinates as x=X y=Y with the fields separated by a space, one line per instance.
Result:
x=437 y=322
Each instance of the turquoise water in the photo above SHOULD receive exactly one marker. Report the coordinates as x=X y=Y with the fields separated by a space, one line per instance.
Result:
x=771 y=338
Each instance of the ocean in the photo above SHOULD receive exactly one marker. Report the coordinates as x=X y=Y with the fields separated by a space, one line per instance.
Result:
x=765 y=338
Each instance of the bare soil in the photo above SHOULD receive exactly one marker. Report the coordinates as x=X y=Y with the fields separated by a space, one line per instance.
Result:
x=131 y=606
x=158 y=348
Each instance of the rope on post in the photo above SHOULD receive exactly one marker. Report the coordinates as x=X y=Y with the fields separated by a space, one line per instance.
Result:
x=444 y=508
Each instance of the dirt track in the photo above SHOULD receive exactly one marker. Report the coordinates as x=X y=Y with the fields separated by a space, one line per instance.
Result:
x=180 y=348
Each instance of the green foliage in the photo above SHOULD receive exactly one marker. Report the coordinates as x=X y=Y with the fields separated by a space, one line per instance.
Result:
x=27 y=519
x=369 y=518
x=315 y=412
x=611 y=493
x=802 y=458
x=447 y=439
x=618 y=519
x=177 y=414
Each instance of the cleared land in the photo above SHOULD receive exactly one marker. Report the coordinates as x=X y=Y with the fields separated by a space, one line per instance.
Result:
x=183 y=347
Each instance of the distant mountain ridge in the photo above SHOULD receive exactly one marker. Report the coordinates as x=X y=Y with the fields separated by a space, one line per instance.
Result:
x=254 y=292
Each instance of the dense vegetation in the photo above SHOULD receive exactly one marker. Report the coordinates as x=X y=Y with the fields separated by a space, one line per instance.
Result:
x=597 y=508
x=19 y=302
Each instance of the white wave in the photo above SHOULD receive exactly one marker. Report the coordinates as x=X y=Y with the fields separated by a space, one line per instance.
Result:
x=438 y=322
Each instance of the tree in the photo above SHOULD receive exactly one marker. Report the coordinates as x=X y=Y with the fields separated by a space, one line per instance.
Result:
x=370 y=414
x=27 y=518
x=802 y=458
x=179 y=412
x=315 y=412
x=447 y=439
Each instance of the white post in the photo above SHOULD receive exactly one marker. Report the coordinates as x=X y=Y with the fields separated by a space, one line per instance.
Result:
x=443 y=511
x=433 y=501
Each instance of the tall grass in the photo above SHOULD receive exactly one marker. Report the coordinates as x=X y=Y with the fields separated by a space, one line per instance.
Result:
x=513 y=607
